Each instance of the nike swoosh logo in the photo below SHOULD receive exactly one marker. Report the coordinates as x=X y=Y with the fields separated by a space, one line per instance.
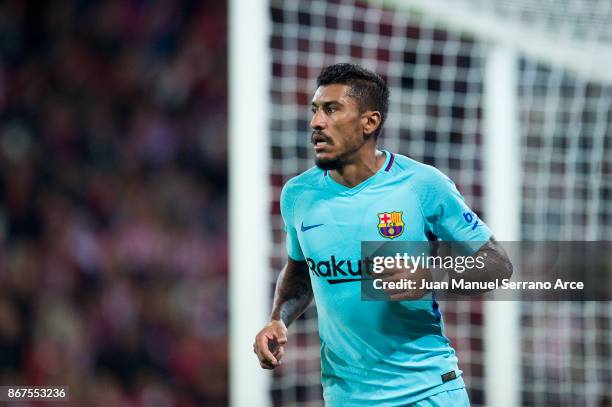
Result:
x=305 y=228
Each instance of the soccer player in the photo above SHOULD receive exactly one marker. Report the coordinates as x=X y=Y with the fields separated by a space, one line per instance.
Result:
x=373 y=353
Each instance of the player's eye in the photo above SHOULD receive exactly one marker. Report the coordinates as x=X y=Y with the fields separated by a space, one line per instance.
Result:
x=313 y=110
x=330 y=110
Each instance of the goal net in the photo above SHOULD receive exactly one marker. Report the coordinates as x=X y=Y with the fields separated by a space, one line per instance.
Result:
x=433 y=56
x=566 y=142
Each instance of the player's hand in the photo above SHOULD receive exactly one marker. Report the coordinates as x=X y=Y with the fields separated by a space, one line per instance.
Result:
x=269 y=344
x=397 y=274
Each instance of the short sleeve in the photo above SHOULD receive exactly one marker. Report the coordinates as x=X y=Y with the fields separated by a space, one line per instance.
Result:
x=447 y=215
x=287 y=202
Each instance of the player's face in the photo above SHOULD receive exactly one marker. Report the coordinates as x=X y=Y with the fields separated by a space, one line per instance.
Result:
x=337 y=126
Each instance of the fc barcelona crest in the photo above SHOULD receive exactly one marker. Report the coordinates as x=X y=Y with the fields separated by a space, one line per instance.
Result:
x=390 y=224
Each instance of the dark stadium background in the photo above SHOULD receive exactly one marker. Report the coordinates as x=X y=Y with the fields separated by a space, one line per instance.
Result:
x=113 y=195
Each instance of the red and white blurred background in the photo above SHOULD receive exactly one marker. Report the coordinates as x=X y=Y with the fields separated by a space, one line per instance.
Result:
x=113 y=194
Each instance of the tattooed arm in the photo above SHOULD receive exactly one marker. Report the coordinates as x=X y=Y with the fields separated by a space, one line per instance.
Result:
x=292 y=296
x=497 y=266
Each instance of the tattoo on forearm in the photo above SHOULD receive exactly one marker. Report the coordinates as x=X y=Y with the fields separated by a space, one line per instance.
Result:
x=293 y=308
x=293 y=294
x=497 y=266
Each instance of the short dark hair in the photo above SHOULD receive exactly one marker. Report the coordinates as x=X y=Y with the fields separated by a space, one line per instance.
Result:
x=367 y=87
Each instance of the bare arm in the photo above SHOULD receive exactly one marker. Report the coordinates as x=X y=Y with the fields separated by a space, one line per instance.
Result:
x=293 y=292
x=497 y=267
x=292 y=296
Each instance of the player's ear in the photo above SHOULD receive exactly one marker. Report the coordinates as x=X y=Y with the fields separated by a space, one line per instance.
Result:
x=370 y=121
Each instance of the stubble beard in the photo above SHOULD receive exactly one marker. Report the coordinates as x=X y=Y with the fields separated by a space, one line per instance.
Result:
x=329 y=164
x=338 y=162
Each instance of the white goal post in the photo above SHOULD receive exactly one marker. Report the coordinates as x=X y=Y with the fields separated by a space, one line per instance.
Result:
x=249 y=199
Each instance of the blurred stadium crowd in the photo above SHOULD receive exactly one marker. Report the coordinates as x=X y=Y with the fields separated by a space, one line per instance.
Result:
x=113 y=218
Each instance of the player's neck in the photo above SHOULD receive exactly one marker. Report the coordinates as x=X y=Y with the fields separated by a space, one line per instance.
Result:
x=360 y=169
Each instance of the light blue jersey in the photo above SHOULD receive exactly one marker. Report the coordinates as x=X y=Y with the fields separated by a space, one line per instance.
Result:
x=376 y=353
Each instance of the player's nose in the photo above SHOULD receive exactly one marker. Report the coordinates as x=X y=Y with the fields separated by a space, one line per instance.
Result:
x=317 y=122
